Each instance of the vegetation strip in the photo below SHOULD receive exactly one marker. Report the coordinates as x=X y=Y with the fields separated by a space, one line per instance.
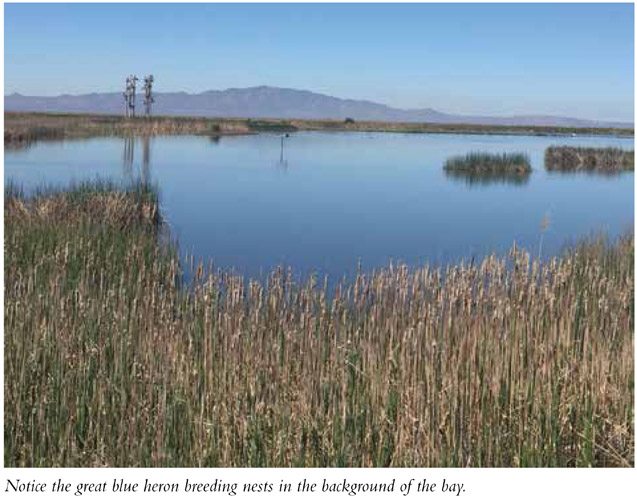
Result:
x=23 y=128
x=110 y=360
x=603 y=160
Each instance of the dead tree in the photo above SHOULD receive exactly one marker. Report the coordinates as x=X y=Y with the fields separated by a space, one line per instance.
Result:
x=131 y=96
x=148 y=94
x=127 y=97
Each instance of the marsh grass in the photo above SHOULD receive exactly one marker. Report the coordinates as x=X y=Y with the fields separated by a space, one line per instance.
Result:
x=489 y=164
x=24 y=128
x=601 y=160
x=110 y=360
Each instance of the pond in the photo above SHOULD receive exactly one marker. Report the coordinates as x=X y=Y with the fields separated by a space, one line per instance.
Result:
x=329 y=202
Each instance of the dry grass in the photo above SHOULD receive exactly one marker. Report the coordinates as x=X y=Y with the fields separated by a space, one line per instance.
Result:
x=449 y=128
x=602 y=160
x=111 y=360
x=23 y=128
x=490 y=163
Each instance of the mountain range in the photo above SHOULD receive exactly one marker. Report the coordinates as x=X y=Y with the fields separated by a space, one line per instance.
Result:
x=276 y=102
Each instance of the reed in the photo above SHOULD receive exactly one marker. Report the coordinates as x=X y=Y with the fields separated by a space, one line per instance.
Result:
x=23 y=128
x=602 y=160
x=111 y=360
x=489 y=164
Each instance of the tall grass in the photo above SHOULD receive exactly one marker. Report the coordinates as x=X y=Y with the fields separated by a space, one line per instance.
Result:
x=22 y=128
x=111 y=360
x=489 y=163
x=603 y=160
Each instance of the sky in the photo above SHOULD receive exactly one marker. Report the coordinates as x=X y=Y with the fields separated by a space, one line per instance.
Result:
x=572 y=60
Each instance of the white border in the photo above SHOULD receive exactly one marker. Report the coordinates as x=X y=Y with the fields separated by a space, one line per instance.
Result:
x=489 y=484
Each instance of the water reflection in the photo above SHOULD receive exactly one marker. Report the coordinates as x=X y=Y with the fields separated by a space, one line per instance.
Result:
x=128 y=158
x=557 y=174
x=345 y=196
x=473 y=179
x=283 y=163
x=146 y=159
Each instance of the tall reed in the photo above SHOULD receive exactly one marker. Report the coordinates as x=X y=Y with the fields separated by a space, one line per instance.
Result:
x=489 y=163
x=111 y=360
x=603 y=160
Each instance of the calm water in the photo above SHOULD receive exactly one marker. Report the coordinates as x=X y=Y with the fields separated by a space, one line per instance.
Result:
x=335 y=198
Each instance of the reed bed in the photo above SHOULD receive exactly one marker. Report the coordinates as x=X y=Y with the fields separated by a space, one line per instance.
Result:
x=22 y=128
x=603 y=160
x=111 y=360
x=490 y=164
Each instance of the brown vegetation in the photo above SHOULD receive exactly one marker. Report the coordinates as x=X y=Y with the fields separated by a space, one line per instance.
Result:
x=22 y=128
x=602 y=160
x=110 y=359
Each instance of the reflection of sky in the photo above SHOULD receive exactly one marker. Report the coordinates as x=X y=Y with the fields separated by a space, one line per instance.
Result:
x=342 y=197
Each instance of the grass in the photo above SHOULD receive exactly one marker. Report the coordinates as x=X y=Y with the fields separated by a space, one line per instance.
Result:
x=111 y=360
x=602 y=160
x=21 y=128
x=489 y=164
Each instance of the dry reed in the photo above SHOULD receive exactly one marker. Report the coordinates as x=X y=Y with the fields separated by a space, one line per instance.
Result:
x=22 y=128
x=603 y=160
x=110 y=360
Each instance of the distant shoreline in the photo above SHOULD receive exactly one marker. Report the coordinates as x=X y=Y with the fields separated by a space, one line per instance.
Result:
x=24 y=127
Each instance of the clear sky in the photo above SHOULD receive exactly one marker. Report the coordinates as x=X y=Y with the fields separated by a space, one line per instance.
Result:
x=497 y=59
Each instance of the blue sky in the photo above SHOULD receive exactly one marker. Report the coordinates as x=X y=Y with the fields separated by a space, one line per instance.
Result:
x=497 y=59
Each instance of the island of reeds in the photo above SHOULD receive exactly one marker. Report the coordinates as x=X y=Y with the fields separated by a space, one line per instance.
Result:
x=489 y=163
x=477 y=168
x=603 y=160
x=112 y=359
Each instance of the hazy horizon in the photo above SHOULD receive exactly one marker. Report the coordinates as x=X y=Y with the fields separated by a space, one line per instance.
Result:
x=572 y=60
x=440 y=110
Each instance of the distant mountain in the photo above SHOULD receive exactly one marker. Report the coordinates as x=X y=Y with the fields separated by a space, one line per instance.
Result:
x=274 y=102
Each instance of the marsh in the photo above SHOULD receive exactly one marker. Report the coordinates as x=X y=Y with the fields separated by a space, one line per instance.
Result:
x=342 y=199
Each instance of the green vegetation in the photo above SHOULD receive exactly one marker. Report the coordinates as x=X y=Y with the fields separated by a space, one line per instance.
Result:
x=271 y=126
x=23 y=128
x=602 y=160
x=489 y=164
x=110 y=359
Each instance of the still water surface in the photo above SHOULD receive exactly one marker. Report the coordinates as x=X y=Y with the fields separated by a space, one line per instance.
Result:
x=332 y=200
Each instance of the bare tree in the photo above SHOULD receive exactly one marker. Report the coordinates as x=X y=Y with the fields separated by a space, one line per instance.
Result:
x=131 y=96
x=127 y=97
x=148 y=94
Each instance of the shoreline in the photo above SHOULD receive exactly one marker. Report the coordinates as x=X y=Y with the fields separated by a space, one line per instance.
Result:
x=22 y=128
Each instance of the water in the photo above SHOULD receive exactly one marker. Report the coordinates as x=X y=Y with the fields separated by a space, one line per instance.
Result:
x=330 y=201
